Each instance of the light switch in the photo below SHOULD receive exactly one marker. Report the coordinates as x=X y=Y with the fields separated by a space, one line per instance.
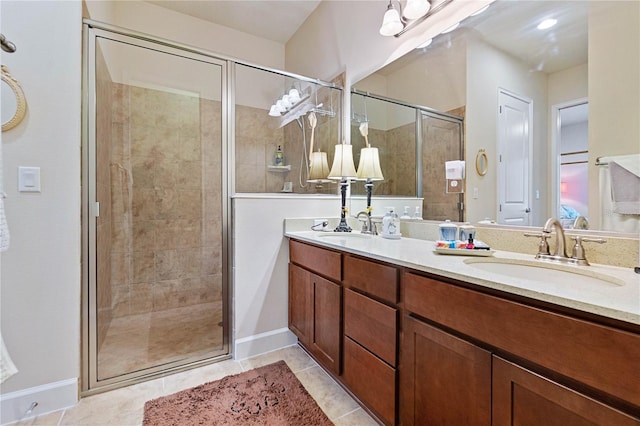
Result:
x=29 y=179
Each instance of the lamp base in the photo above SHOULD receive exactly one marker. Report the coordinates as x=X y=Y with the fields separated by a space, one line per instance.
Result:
x=342 y=226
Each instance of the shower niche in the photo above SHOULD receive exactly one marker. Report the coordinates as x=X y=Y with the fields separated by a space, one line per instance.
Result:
x=286 y=116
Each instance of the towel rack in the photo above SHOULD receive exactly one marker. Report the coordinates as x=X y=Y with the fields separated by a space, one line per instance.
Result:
x=7 y=46
x=600 y=163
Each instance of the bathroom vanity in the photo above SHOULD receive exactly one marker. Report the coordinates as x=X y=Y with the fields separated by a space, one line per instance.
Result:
x=422 y=338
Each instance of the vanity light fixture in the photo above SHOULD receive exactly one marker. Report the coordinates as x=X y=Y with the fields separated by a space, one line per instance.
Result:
x=343 y=169
x=397 y=21
x=415 y=9
x=547 y=23
x=285 y=103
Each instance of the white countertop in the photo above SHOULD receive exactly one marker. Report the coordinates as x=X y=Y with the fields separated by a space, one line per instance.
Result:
x=618 y=301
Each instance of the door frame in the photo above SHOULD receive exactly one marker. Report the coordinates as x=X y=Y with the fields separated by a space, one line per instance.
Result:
x=554 y=152
x=500 y=170
x=89 y=383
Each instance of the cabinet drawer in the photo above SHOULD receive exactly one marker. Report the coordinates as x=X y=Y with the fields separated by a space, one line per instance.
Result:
x=371 y=380
x=602 y=357
x=324 y=262
x=371 y=324
x=370 y=277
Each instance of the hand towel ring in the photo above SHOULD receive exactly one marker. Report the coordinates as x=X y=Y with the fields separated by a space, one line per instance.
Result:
x=482 y=162
x=14 y=104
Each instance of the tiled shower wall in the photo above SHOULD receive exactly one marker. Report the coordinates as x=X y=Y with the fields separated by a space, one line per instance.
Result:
x=257 y=136
x=397 y=160
x=165 y=170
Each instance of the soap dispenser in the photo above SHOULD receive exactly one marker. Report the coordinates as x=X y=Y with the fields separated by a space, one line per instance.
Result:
x=279 y=157
x=390 y=224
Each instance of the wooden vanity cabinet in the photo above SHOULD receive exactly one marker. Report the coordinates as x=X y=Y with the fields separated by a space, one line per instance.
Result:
x=371 y=334
x=522 y=397
x=600 y=360
x=315 y=302
x=444 y=380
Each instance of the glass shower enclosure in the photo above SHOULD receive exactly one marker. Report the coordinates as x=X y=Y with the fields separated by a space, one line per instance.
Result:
x=155 y=208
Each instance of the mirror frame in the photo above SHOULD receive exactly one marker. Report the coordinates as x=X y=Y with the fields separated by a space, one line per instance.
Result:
x=482 y=162
x=21 y=102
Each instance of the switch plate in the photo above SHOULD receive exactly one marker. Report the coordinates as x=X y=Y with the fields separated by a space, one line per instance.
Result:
x=475 y=193
x=29 y=179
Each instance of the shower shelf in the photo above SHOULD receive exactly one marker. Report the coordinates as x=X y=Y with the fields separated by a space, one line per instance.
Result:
x=280 y=169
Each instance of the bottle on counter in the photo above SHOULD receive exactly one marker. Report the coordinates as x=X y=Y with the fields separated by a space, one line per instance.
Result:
x=390 y=224
x=405 y=215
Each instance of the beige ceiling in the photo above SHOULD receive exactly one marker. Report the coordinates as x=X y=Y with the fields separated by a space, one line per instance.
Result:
x=275 y=20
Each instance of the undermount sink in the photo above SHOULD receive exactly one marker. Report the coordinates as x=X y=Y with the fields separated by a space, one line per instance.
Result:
x=544 y=271
x=344 y=235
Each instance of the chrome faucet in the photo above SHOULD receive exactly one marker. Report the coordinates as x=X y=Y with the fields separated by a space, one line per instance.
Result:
x=368 y=227
x=560 y=253
x=581 y=222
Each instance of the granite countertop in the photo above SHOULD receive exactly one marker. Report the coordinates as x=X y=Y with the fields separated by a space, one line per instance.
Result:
x=620 y=300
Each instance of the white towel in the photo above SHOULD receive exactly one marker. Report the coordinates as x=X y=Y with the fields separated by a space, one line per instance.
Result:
x=4 y=229
x=7 y=368
x=625 y=185
x=609 y=220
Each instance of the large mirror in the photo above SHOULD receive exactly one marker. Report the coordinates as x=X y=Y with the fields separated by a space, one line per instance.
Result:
x=571 y=91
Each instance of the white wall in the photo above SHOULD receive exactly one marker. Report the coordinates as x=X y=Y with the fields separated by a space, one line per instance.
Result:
x=41 y=270
x=343 y=36
x=487 y=70
x=614 y=87
x=261 y=256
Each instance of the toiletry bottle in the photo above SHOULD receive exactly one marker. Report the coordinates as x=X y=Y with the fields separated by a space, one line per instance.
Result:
x=417 y=214
x=390 y=224
x=405 y=215
x=279 y=157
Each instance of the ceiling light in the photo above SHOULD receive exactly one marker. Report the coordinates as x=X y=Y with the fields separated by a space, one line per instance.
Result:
x=274 y=111
x=425 y=44
x=391 y=24
x=398 y=20
x=414 y=9
x=547 y=23
x=451 y=28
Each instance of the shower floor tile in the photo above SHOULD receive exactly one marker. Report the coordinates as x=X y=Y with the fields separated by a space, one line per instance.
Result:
x=136 y=342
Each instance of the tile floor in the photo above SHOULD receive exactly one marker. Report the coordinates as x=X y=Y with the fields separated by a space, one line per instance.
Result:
x=123 y=407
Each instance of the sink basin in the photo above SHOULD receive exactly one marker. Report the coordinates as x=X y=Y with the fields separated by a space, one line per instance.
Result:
x=344 y=235
x=545 y=272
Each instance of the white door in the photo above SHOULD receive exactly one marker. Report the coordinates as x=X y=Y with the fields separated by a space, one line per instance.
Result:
x=514 y=159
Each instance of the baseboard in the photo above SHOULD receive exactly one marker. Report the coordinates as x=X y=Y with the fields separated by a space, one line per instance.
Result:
x=50 y=397
x=257 y=344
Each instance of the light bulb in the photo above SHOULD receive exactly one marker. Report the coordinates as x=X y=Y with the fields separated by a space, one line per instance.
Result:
x=416 y=9
x=391 y=24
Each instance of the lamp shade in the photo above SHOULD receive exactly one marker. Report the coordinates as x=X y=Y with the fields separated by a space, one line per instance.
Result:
x=343 y=166
x=391 y=24
x=369 y=166
x=319 y=169
x=416 y=9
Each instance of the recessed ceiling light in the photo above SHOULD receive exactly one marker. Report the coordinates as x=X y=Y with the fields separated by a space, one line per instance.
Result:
x=451 y=28
x=547 y=23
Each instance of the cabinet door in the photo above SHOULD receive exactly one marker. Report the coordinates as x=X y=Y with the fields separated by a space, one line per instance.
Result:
x=444 y=380
x=521 y=397
x=300 y=303
x=327 y=305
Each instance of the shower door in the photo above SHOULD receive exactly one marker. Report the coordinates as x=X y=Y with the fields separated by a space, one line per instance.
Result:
x=155 y=210
x=441 y=141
